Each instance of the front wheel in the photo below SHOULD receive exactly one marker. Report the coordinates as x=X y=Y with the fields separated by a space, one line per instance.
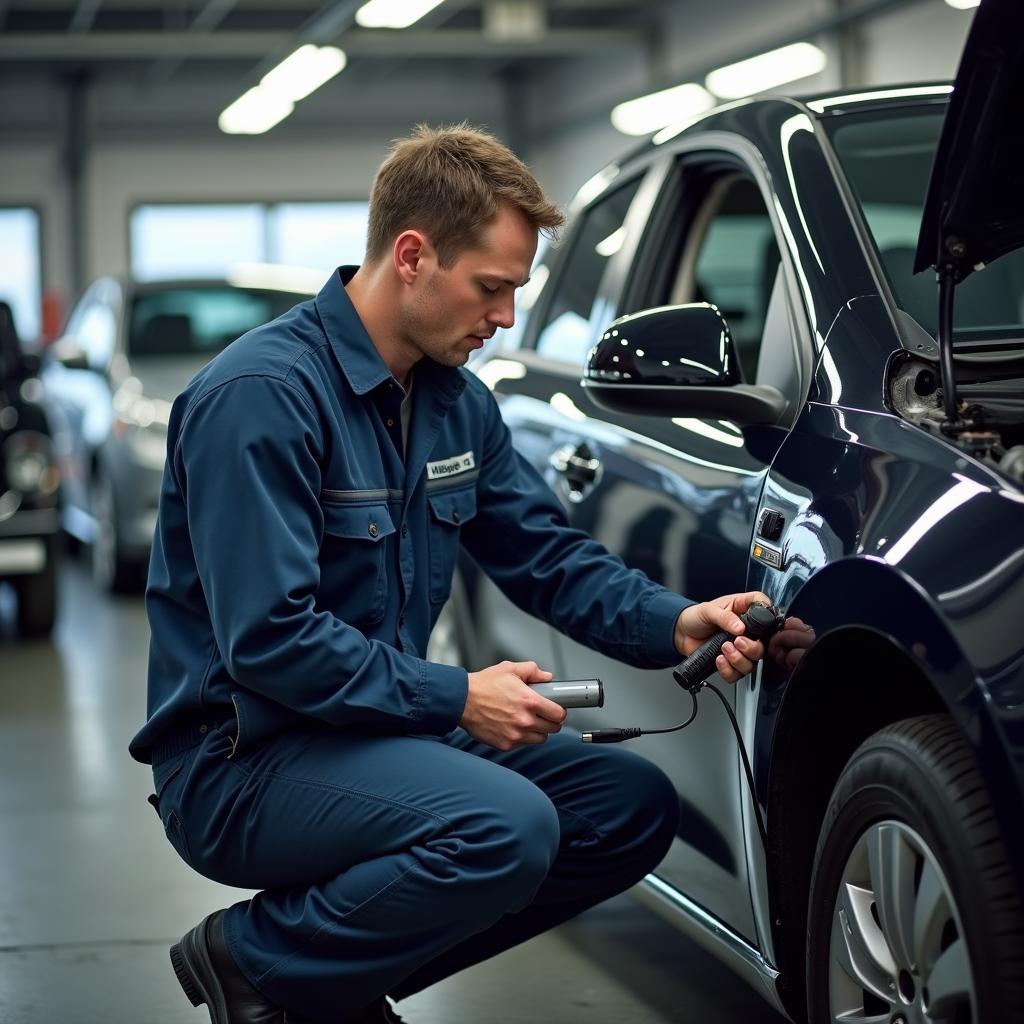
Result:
x=914 y=914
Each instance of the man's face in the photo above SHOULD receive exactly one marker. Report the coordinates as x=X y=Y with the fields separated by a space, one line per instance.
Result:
x=452 y=312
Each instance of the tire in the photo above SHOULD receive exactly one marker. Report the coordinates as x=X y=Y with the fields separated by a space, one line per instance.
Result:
x=914 y=915
x=37 y=600
x=112 y=572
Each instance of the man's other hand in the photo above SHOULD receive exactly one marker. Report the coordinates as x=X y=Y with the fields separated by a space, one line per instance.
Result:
x=504 y=712
x=697 y=622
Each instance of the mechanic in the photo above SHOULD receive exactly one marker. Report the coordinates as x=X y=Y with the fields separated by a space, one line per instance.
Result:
x=404 y=819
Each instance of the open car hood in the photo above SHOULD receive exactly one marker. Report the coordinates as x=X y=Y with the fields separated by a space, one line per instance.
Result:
x=974 y=212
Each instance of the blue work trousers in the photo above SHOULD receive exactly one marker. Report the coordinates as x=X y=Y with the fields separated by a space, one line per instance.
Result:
x=390 y=862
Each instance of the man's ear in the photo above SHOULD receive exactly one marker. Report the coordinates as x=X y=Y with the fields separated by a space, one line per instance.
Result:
x=410 y=253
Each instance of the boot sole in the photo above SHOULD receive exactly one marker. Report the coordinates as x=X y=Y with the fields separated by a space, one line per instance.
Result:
x=193 y=968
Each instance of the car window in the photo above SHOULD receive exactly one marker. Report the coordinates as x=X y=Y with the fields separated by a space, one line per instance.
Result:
x=730 y=258
x=887 y=156
x=566 y=334
x=200 y=320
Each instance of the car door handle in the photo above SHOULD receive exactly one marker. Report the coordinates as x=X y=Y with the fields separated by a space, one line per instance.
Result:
x=577 y=464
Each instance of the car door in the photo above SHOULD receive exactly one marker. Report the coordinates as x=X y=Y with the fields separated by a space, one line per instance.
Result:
x=677 y=498
x=534 y=372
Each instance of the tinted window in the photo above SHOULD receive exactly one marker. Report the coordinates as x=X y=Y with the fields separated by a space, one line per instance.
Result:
x=736 y=266
x=729 y=258
x=566 y=334
x=200 y=320
x=887 y=157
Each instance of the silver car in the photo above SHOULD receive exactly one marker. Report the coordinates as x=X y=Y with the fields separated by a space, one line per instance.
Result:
x=129 y=348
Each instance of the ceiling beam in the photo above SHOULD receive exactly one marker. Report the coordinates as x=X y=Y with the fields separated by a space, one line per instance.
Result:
x=366 y=43
x=84 y=16
x=211 y=15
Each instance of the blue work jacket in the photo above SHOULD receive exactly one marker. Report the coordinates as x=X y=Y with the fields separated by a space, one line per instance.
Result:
x=300 y=561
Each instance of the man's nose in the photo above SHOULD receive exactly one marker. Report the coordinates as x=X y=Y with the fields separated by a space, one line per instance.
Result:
x=503 y=316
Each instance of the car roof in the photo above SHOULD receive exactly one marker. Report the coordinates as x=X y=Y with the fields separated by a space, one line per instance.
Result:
x=751 y=110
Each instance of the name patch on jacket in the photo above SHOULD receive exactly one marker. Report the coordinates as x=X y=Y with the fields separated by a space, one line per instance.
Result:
x=451 y=467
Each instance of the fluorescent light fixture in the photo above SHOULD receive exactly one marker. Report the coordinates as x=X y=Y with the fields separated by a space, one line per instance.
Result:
x=393 y=13
x=304 y=71
x=254 y=112
x=649 y=113
x=963 y=5
x=766 y=71
x=270 y=102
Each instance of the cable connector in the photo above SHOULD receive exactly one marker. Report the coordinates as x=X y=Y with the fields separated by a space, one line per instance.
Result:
x=611 y=735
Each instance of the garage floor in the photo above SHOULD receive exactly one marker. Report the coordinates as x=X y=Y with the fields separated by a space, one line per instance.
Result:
x=92 y=894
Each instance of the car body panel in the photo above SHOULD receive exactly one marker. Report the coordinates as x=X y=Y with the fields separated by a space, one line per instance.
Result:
x=894 y=539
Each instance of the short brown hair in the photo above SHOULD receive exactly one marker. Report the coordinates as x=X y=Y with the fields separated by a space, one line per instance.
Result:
x=449 y=183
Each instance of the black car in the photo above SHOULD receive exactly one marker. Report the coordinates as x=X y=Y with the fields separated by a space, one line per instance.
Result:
x=29 y=517
x=773 y=399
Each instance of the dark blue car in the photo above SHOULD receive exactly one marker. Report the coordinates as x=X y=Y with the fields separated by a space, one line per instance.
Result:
x=773 y=399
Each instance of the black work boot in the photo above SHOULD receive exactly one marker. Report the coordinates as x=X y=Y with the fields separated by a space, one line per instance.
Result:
x=208 y=974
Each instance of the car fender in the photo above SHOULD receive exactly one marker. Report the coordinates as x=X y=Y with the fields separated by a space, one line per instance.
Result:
x=864 y=607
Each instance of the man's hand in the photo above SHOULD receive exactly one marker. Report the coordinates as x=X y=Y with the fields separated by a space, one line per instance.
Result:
x=789 y=645
x=696 y=623
x=504 y=712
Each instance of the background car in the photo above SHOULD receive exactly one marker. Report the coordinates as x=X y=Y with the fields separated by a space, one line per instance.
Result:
x=764 y=406
x=128 y=349
x=29 y=519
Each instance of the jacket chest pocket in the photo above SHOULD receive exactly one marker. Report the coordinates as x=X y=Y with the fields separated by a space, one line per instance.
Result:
x=449 y=512
x=353 y=565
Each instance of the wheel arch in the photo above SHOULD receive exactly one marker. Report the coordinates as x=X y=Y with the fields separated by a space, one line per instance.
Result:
x=814 y=719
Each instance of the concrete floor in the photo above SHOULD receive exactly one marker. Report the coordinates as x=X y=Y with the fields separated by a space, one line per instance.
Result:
x=91 y=894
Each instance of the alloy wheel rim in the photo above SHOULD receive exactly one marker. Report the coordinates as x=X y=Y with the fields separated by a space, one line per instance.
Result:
x=897 y=952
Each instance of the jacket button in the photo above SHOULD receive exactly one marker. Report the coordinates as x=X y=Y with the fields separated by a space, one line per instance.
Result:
x=401 y=620
x=202 y=730
x=405 y=529
x=373 y=529
x=455 y=517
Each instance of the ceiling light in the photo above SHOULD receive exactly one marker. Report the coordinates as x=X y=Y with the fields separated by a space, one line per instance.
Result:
x=766 y=71
x=254 y=112
x=649 y=113
x=393 y=13
x=304 y=71
x=963 y=5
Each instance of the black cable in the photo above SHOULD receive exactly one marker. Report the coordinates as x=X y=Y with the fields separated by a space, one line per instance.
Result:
x=746 y=765
x=618 y=735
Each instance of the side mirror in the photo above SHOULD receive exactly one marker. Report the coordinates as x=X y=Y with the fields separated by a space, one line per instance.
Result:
x=676 y=361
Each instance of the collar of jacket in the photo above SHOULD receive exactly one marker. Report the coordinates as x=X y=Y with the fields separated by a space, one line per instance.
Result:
x=357 y=355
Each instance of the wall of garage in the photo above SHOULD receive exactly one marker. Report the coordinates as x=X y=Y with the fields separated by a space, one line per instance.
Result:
x=558 y=120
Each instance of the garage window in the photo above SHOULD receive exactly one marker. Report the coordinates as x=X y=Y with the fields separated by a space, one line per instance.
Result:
x=20 y=285
x=175 y=240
